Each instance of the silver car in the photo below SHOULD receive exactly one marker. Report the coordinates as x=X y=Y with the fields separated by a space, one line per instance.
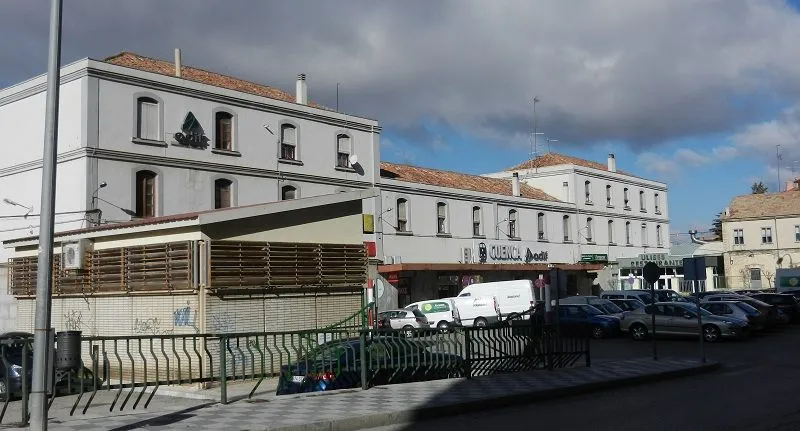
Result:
x=680 y=318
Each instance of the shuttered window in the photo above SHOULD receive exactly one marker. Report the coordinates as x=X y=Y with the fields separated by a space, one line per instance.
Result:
x=222 y=193
x=145 y=194
x=147 y=119
x=288 y=142
x=224 y=131
x=343 y=151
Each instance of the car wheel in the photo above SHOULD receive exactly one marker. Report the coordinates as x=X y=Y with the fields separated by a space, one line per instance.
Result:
x=481 y=323
x=408 y=331
x=443 y=326
x=711 y=333
x=598 y=332
x=638 y=331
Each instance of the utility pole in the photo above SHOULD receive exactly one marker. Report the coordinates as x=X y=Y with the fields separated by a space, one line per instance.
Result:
x=778 y=156
x=535 y=146
x=46 y=226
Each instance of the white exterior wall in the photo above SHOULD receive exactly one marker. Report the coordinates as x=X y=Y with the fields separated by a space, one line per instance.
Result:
x=740 y=258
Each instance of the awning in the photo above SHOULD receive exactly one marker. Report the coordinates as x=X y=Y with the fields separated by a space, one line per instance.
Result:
x=477 y=267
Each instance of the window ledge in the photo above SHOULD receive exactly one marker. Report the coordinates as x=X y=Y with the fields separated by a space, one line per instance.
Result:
x=589 y=203
x=291 y=162
x=543 y=240
x=516 y=238
x=629 y=245
x=404 y=233
x=642 y=211
x=226 y=152
x=658 y=212
x=567 y=241
x=612 y=243
x=478 y=236
x=344 y=169
x=609 y=206
x=149 y=142
x=591 y=242
x=444 y=235
x=627 y=208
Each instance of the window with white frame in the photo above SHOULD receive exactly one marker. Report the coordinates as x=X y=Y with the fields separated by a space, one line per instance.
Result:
x=644 y=235
x=223 y=139
x=738 y=236
x=402 y=215
x=540 y=226
x=797 y=233
x=766 y=235
x=512 y=223
x=566 y=228
x=441 y=218
x=589 y=237
x=657 y=203
x=222 y=193
x=342 y=151
x=659 y=239
x=288 y=142
x=611 y=232
x=588 y=191
x=476 y=221
x=609 y=202
x=146 y=194
x=625 y=198
x=288 y=193
x=147 y=119
x=642 y=205
x=627 y=233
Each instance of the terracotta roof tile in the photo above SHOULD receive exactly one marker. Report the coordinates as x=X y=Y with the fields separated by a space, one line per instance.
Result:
x=456 y=180
x=147 y=64
x=765 y=205
x=555 y=159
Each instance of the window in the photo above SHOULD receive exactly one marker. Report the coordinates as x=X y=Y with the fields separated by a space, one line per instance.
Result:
x=476 y=221
x=657 y=203
x=441 y=218
x=626 y=197
x=738 y=236
x=589 y=229
x=755 y=274
x=588 y=190
x=288 y=193
x=766 y=235
x=608 y=195
x=288 y=142
x=567 y=235
x=628 y=233
x=540 y=226
x=147 y=119
x=145 y=194
x=342 y=151
x=797 y=233
x=402 y=215
x=222 y=193
x=659 y=239
x=512 y=223
x=641 y=201
x=223 y=140
x=611 y=231
x=644 y=234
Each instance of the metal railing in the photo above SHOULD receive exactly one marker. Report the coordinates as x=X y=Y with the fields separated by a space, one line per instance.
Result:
x=131 y=369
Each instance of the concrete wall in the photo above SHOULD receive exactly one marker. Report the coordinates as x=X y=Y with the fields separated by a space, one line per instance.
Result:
x=740 y=258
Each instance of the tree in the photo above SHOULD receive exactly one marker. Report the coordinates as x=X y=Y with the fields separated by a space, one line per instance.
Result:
x=716 y=225
x=758 y=188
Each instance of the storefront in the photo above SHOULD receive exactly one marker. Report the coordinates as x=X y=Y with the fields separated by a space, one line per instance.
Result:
x=630 y=271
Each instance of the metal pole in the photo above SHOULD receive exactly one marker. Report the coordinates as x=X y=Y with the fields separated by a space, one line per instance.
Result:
x=653 y=317
x=46 y=226
x=699 y=321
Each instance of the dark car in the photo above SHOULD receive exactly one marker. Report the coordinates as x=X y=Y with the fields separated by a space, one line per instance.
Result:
x=337 y=365
x=628 y=304
x=12 y=349
x=584 y=319
x=740 y=310
x=785 y=303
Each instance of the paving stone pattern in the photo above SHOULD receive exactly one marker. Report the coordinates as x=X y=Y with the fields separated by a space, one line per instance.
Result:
x=354 y=409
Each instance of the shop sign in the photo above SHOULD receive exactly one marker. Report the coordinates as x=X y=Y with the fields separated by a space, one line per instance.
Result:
x=664 y=260
x=192 y=133
x=509 y=253
x=594 y=257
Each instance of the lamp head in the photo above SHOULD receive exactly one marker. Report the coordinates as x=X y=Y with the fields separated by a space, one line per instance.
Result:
x=103 y=184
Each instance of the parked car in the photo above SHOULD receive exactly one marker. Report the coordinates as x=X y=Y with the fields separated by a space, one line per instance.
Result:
x=404 y=320
x=786 y=303
x=668 y=295
x=628 y=304
x=680 y=318
x=11 y=353
x=337 y=365
x=584 y=319
x=773 y=314
x=513 y=296
x=740 y=310
x=604 y=305
x=441 y=313
x=642 y=295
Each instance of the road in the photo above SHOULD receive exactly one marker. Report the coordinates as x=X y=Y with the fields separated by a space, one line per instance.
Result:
x=757 y=389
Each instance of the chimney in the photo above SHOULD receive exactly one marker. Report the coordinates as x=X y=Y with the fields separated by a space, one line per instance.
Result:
x=302 y=89
x=612 y=163
x=178 y=62
x=515 y=184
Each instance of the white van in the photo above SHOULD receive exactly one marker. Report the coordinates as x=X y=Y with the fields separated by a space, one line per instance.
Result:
x=513 y=296
x=441 y=313
x=477 y=311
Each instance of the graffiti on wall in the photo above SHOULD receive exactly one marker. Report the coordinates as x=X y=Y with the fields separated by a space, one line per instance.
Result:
x=73 y=320
x=149 y=326
x=222 y=322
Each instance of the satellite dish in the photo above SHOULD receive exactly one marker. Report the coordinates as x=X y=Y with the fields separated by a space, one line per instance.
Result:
x=353 y=159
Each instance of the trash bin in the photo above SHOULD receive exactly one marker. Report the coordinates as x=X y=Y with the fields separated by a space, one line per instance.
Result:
x=68 y=350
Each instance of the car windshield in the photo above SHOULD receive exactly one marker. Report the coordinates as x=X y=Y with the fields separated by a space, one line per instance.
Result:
x=693 y=308
x=591 y=310
x=646 y=297
x=609 y=307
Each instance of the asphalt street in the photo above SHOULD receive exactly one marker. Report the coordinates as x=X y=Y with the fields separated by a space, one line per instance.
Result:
x=757 y=389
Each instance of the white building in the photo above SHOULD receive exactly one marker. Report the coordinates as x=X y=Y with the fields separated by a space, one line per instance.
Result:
x=761 y=233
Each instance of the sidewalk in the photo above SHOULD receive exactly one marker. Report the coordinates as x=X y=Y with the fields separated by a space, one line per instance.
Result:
x=356 y=409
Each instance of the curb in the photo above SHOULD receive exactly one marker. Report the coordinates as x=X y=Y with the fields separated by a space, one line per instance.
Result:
x=425 y=413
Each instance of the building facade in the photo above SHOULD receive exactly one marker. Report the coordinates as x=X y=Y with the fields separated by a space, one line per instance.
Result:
x=761 y=233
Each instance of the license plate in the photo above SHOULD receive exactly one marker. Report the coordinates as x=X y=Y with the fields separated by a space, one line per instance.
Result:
x=298 y=379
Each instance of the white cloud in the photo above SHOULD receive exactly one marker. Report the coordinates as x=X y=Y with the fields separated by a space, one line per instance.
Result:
x=725 y=152
x=671 y=167
x=760 y=143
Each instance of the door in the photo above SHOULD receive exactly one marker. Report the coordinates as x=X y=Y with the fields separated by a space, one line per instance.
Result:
x=755 y=278
x=683 y=324
x=664 y=318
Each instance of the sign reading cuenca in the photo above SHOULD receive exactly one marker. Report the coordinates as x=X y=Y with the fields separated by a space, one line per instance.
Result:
x=509 y=253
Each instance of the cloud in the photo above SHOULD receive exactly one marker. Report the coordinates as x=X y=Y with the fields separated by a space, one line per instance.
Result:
x=725 y=153
x=670 y=167
x=642 y=72
x=685 y=156
x=763 y=142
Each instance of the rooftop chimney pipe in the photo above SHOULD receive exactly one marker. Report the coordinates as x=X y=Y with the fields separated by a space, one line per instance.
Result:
x=612 y=163
x=302 y=89
x=178 y=62
x=515 y=184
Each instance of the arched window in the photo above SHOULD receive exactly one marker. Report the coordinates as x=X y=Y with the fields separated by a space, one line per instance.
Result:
x=659 y=238
x=222 y=193
x=476 y=221
x=566 y=228
x=588 y=190
x=512 y=224
x=288 y=193
x=288 y=142
x=223 y=139
x=342 y=151
x=589 y=233
x=540 y=226
x=627 y=233
x=145 y=194
x=147 y=126
x=609 y=201
x=402 y=215
x=611 y=232
x=642 y=206
x=441 y=218
x=644 y=234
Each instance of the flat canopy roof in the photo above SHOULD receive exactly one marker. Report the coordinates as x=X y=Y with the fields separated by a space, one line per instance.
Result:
x=455 y=267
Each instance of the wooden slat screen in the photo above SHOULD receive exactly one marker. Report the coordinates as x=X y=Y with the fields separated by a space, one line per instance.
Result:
x=271 y=266
x=161 y=267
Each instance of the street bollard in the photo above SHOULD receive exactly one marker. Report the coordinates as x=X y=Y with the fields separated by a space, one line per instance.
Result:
x=223 y=372
x=363 y=360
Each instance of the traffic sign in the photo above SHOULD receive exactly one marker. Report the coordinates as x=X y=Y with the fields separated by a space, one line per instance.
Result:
x=651 y=272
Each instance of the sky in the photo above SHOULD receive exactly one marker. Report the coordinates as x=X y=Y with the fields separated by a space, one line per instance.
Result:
x=700 y=94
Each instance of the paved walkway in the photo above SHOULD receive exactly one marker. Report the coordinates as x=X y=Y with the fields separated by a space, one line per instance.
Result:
x=356 y=409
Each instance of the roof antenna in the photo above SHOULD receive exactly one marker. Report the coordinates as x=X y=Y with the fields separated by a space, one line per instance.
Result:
x=337 y=97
